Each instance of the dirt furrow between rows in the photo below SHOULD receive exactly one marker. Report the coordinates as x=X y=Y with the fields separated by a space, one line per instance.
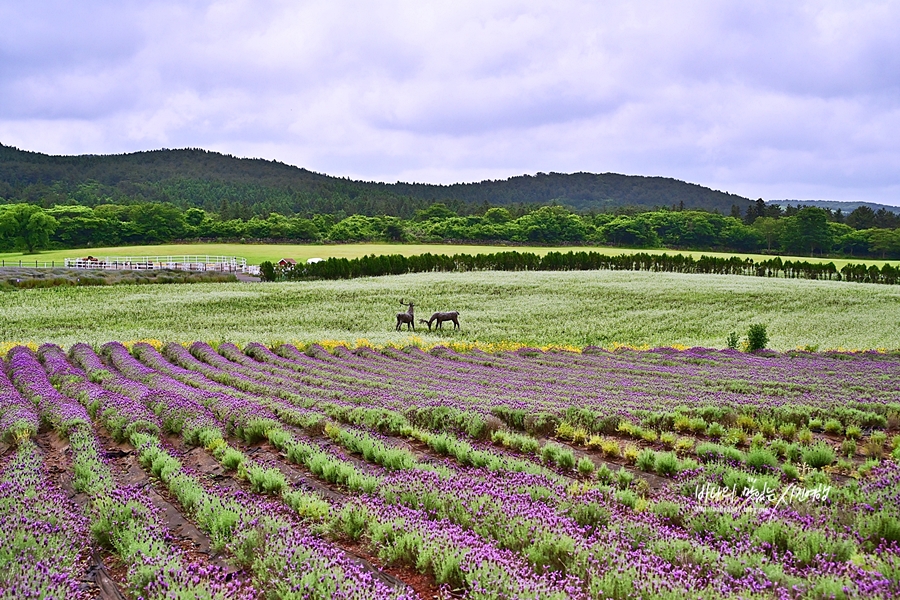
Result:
x=193 y=542
x=300 y=477
x=100 y=581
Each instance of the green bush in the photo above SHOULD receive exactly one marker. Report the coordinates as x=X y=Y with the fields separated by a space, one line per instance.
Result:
x=645 y=460
x=627 y=497
x=589 y=514
x=624 y=478
x=267 y=271
x=715 y=430
x=565 y=459
x=666 y=463
x=877 y=528
x=604 y=474
x=760 y=458
x=875 y=444
x=757 y=337
x=787 y=431
x=732 y=341
x=790 y=471
x=778 y=447
x=585 y=466
x=833 y=426
x=669 y=511
x=265 y=480
x=818 y=456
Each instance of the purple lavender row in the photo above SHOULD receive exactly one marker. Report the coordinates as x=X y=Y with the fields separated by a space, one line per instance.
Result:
x=459 y=558
x=178 y=414
x=876 y=578
x=60 y=412
x=285 y=547
x=18 y=417
x=585 y=377
x=122 y=518
x=175 y=349
x=266 y=538
x=46 y=540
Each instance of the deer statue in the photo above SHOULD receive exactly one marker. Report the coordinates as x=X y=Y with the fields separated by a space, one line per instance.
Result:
x=440 y=317
x=406 y=317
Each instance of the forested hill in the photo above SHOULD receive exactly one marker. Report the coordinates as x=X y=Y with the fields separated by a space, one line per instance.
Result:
x=240 y=188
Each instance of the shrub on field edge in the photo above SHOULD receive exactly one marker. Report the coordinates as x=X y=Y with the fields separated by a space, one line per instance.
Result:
x=732 y=341
x=757 y=337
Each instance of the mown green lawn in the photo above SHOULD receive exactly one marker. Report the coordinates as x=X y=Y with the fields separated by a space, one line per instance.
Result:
x=256 y=253
x=536 y=308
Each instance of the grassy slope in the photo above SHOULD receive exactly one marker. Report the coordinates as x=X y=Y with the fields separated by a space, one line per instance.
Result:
x=576 y=308
x=256 y=253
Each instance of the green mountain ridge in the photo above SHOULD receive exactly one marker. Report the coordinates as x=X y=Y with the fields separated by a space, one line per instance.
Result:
x=846 y=206
x=242 y=187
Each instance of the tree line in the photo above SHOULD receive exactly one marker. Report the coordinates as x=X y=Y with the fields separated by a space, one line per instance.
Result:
x=396 y=264
x=764 y=228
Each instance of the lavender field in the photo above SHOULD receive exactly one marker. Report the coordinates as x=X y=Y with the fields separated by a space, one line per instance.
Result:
x=193 y=471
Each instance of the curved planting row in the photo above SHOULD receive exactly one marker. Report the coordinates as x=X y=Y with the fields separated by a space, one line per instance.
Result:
x=813 y=555
x=741 y=464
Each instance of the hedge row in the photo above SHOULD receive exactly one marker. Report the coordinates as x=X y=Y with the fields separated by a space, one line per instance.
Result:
x=395 y=264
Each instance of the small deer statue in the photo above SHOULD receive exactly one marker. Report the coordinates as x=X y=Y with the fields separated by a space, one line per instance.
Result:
x=406 y=317
x=440 y=317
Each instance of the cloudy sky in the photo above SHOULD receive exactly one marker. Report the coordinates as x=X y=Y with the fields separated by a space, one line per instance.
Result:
x=797 y=100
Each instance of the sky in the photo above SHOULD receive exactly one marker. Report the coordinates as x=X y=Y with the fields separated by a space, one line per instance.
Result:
x=771 y=99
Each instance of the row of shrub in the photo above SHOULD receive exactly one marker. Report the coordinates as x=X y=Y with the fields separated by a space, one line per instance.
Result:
x=795 y=422
x=396 y=264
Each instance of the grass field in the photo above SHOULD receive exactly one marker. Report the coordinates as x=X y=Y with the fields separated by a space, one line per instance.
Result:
x=256 y=253
x=537 y=308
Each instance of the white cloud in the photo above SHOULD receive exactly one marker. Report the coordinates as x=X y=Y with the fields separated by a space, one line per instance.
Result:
x=785 y=98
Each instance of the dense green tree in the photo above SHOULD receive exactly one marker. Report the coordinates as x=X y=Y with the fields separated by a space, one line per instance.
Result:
x=629 y=231
x=861 y=217
x=26 y=225
x=437 y=210
x=194 y=216
x=551 y=224
x=156 y=222
x=807 y=232
x=885 y=242
x=885 y=219
x=741 y=237
x=357 y=228
x=770 y=230
x=80 y=227
x=497 y=215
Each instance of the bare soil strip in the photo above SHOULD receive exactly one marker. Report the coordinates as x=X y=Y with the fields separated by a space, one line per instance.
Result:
x=98 y=580
x=193 y=542
x=396 y=575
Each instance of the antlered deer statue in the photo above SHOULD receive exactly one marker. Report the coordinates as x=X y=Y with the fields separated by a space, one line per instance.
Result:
x=406 y=317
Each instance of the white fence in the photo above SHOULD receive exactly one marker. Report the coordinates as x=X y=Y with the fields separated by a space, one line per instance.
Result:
x=225 y=264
